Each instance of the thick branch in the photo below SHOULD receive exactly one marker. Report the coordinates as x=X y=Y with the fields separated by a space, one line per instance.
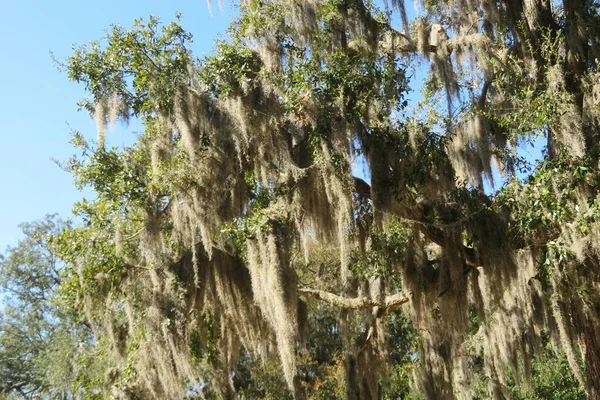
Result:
x=389 y=302
x=484 y=90
x=362 y=188
x=400 y=43
x=431 y=231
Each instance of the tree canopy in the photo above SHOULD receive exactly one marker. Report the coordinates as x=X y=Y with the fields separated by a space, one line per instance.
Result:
x=45 y=349
x=290 y=212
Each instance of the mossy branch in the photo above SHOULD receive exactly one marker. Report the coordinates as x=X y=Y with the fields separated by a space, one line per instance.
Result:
x=388 y=302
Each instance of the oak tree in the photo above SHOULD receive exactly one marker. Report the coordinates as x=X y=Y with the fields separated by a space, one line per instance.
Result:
x=242 y=212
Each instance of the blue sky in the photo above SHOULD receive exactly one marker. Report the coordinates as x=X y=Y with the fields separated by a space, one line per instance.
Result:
x=38 y=105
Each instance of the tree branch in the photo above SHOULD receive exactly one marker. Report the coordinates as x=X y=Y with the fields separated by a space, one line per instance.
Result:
x=388 y=302
x=483 y=96
x=431 y=231
x=362 y=188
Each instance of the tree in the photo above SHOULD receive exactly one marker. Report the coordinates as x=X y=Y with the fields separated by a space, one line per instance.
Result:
x=40 y=341
x=201 y=245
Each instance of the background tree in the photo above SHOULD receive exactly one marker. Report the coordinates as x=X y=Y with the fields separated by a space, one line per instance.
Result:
x=201 y=244
x=41 y=343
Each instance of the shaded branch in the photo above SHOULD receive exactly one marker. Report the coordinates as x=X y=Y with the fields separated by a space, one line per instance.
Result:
x=362 y=188
x=432 y=232
x=483 y=96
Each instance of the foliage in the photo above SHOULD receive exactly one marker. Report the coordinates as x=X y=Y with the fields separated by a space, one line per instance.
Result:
x=551 y=379
x=42 y=342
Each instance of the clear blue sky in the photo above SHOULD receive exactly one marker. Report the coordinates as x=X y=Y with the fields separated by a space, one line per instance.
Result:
x=38 y=105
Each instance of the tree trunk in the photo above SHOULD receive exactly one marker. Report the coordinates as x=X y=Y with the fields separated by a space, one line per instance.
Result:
x=589 y=341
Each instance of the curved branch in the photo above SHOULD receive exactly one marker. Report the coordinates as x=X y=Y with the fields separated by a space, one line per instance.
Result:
x=483 y=96
x=362 y=188
x=357 y=303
